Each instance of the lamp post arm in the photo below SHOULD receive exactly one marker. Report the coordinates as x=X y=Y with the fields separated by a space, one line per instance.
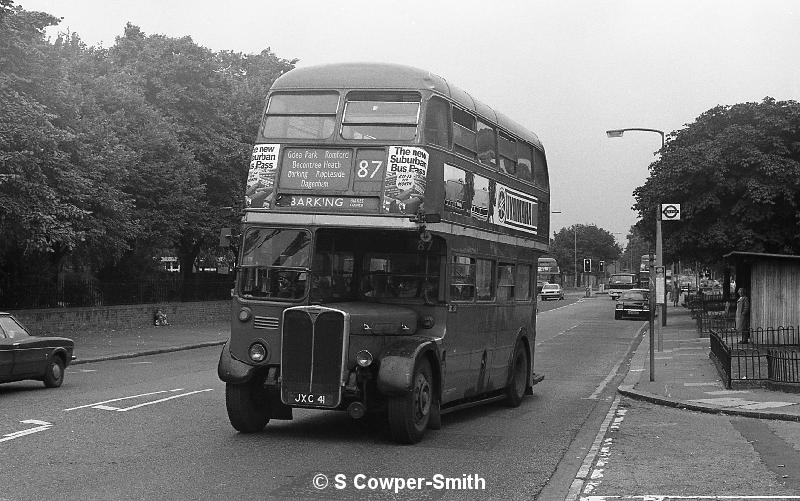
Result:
x=618 y=132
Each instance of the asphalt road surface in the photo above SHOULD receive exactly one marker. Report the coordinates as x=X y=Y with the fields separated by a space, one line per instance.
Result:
x=156 y=428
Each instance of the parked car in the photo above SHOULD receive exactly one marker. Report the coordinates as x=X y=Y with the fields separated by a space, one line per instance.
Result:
x=551 y=291
x=23 y=356
x=634 y=303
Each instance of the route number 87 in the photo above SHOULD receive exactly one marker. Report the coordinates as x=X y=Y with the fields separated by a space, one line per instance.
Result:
x=364 y=168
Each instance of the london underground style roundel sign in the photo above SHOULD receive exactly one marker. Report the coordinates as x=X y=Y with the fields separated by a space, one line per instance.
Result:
x=670 y=212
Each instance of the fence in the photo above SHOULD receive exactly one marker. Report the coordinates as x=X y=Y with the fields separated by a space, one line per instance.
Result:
x=706 y=321
x=80 y=292
x=770 y=355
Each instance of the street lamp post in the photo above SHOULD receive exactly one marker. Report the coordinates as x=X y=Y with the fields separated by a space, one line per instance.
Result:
x=659 y=257
x=659 y=248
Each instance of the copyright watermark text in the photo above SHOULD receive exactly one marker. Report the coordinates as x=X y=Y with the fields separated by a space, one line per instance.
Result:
x=439 y=482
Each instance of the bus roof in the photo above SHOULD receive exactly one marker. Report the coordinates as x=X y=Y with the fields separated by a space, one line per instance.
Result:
x=386 y=76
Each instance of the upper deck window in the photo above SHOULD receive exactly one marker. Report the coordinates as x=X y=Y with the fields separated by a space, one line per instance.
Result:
x=540 y=177
x=524 y=161
x=464 y=133
x=437 y=122
x=301 y=115
x=391 y=116
x=508 y=154
x=487 y=150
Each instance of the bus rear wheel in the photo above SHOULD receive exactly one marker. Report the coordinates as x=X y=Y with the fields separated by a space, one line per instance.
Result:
x=518 y=380
x=409 y=414
x=247 y=405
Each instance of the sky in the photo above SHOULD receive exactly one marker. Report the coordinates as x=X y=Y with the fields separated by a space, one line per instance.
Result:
x=567 y=69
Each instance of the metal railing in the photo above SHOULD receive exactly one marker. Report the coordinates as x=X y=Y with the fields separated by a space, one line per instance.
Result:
x=771 y=354
x=714 y=320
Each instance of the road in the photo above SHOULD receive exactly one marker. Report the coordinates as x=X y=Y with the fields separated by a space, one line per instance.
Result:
x=155 y=428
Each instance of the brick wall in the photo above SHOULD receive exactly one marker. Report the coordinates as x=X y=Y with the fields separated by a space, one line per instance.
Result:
x=64 y=320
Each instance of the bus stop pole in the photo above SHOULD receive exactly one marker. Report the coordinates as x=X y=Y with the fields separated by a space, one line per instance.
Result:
x=660 y=262
x=652 y=301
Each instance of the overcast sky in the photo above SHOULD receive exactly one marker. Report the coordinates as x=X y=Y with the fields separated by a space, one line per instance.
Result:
x=569 y=70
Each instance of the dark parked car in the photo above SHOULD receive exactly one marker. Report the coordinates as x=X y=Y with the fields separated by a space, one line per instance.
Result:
x=634 y=303
x=23 y=356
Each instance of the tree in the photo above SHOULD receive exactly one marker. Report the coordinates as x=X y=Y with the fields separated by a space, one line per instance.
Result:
x=639 y=244
x=736 y=173
x=213 y=103
x=590 y=241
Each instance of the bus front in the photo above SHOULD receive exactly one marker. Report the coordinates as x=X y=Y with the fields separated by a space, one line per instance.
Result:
x=335 y=265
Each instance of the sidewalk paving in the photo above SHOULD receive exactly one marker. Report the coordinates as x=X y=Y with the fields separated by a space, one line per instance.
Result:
x=685 y=377
x=96 y=346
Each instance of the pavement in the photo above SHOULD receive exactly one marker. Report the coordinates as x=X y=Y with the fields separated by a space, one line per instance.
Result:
x=683 y=374
x=100 y=345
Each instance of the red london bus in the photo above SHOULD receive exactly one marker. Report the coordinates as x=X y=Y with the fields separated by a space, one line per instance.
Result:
x=388 y=252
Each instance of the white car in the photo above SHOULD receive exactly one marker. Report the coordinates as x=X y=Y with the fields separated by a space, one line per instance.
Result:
x=551 y=291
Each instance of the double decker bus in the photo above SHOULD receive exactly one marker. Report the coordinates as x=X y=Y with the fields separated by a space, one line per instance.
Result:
x=388 y=252
x=548 y=272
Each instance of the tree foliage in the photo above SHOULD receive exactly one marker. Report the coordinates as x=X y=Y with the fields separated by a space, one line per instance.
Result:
x=736 y=173
x=581 y=241
x=110 y=156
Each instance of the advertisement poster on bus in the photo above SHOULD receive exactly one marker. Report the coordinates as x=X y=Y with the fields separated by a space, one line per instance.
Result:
x=514 y=209
x=260 y=189
x=404 y=184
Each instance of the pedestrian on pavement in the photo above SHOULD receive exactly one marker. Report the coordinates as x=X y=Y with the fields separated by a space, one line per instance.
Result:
x=743 y=315
x=676 y=293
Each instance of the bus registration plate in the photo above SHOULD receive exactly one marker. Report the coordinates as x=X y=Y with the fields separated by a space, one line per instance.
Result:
x=312 y=399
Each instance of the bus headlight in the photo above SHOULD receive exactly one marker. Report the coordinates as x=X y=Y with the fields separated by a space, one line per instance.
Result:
x=245 y=314
x=257 y=352
x=364 y=358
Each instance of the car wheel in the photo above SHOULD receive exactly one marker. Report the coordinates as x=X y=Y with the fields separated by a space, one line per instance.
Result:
x=518 y=380
x=247 y=405
x=617 y=316
x=54 y=374
x=409 y=414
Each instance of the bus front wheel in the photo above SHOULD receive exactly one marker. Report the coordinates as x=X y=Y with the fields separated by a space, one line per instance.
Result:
x=409 y=414
x=518 y=381
x=248 y=406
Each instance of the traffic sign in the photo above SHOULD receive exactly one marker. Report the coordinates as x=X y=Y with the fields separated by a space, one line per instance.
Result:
x=670 y=212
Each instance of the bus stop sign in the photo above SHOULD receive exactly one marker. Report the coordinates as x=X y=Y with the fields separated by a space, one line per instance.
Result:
x=670 y=212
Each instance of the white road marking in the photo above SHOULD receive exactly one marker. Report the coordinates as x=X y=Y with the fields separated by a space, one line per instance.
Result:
x=558 y=334
x=605 y=382
x=701 y=384
x=43 y=425
x=103 y=407
x=164 y=400
x=666 y=497
x=594 y=450
x=115 y=400
x=139 y=363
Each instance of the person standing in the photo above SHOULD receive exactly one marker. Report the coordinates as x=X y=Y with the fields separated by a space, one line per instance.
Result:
x=676 y=292
x=743 y=316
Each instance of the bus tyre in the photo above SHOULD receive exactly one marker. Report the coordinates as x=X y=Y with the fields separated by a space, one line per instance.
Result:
x=248 y=407
x=409 y=414
x=54 y=374
x=518 y=380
